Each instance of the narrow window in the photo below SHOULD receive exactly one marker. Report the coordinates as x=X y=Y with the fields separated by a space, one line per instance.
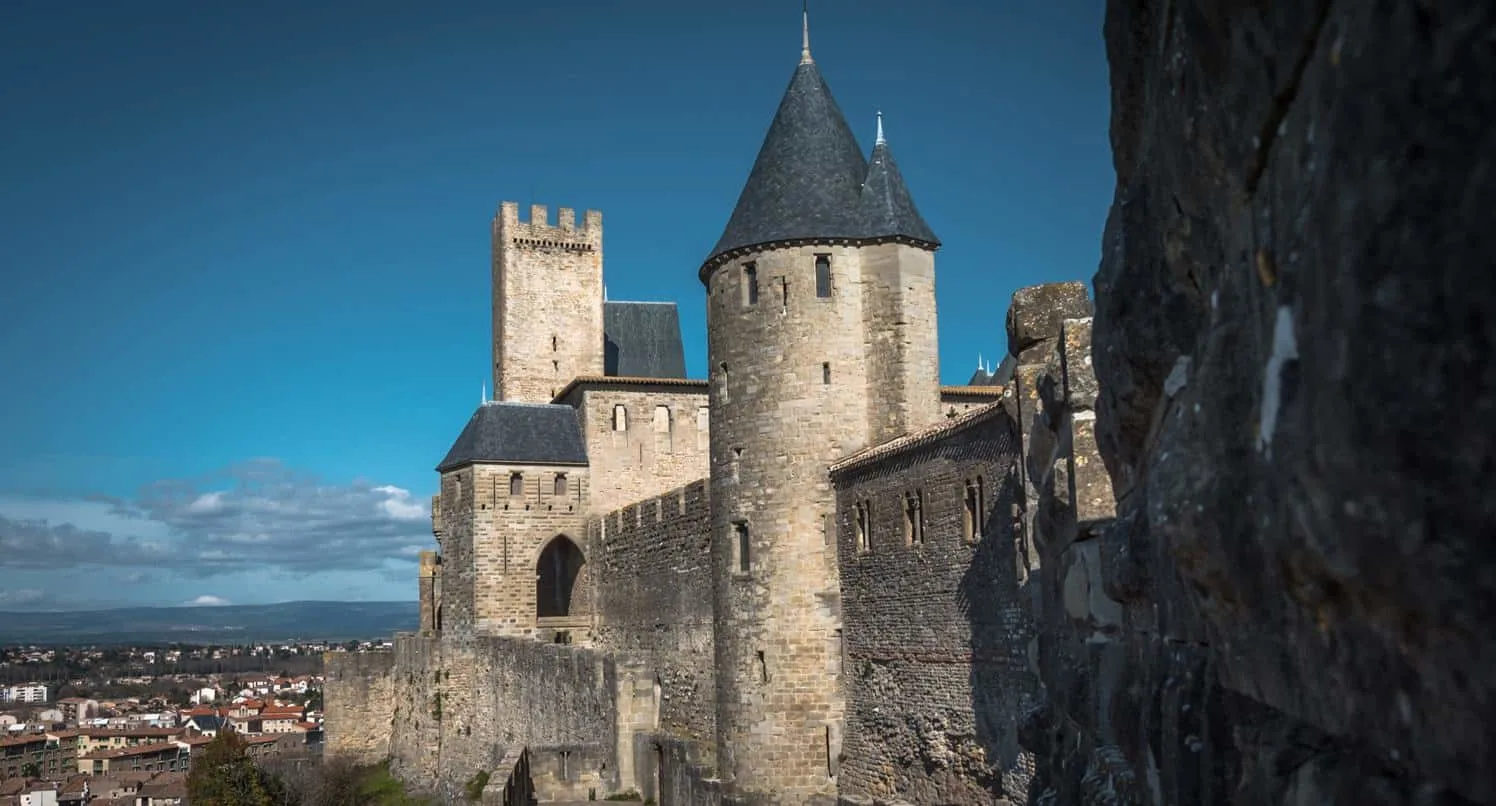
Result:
x=750 y=284
x=743 y=546
x=914 y=518
x=722 y=376
x=662 y=419
x=981 y=508
x=560 y=486
x=516 y=484
x=823 y=276
x=864 y=524
x=703 y=427
x=826 y=373
x=555 y=344
x=620 y=418
x=737 y=459
x=763 y=668
x=784 y=295
x=565 y=757
x=969 y=527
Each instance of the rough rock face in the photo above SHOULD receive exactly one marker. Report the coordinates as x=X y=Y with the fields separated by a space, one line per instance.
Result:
x=1295 y=317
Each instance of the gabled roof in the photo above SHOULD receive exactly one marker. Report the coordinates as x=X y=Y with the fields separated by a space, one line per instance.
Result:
x=806 y=179
x=642 y=340
x=518 y=433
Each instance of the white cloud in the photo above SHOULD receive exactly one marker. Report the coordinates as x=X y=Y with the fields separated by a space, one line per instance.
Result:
x=255 y=517
x=398 y=504
x=206 y=600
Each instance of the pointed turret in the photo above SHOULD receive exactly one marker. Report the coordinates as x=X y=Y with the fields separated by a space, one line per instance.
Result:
x=885 y=207
x=805 y=182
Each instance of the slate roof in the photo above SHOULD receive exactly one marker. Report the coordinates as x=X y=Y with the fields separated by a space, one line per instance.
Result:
x=885 y=207
x=998 y=377
x=642 y=340
x=811 y=181
x=806 y=179
x=519 y=433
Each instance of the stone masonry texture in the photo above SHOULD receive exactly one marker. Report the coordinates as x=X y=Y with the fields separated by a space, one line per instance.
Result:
x=548 y=302
x=936 y=632
x=663 y=442
x=1295 y=376
x=792 y=390
x=359 y=704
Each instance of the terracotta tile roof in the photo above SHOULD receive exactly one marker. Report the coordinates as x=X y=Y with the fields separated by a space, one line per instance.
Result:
x=919 y=438
x=125 y=752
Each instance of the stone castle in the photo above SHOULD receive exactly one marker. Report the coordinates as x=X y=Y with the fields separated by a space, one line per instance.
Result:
x=799 y=579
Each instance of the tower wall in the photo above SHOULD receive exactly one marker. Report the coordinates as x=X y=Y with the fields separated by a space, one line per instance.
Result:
x=547 y=301
x=493 y=542
x=780 y=416
x=898 y=292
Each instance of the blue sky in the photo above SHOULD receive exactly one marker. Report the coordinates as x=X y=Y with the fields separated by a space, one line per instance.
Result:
x=244 y=247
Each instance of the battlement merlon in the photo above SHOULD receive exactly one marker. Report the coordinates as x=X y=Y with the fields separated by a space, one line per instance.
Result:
x=663 y=507
x=430 y=563
x=537 y=230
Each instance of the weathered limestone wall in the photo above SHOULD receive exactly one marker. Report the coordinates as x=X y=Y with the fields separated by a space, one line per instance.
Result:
x=936 y=627
x=777 y=424
x=655 y=607
x=1293 y=349
x=547 y=301
x=359 y=704
x=464 y=702
x=493 y=541
x=899 y=326
x=664 y=442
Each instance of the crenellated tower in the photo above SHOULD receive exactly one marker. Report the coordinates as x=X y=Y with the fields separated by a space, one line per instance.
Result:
x=547 y=302
x=822 y=341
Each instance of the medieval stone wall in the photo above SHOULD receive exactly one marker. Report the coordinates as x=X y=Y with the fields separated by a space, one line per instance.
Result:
x=463 y=702
x=652 y=561
x=936 y=626
x=359 y=705
x=1293 y=349
x=661 y=440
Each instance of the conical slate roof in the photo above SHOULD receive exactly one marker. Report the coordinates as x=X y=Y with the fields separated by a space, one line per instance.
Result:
x=885 y=207
x=806 y=179
x=810 y=181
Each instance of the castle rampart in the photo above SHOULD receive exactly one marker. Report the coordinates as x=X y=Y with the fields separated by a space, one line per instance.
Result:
x=548 y=302
x=936 y=619
x=359 y=707
x=654 y=593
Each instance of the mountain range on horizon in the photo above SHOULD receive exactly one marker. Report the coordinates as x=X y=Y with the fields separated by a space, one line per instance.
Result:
x=211 y=624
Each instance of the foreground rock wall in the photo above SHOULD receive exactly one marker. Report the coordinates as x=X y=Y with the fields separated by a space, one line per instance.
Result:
x=1293 y=336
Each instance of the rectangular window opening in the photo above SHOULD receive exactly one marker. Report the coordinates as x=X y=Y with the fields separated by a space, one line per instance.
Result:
x=559 y=489
x=744 y=547
x=969 y=516
x=826 y=372
x=750 y=284
x=823 y=276
x=516 y=484
x=864 y=525
x=763 y=668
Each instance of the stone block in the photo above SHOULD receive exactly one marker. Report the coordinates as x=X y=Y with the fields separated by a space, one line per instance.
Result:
x=1036 y=313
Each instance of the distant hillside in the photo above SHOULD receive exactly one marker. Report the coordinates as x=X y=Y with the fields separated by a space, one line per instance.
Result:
x=307 y=621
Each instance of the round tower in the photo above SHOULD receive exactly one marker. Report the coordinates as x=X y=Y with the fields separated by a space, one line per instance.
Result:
x=821 y=336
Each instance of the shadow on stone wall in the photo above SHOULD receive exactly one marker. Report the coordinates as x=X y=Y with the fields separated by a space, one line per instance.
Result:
x=995 y=599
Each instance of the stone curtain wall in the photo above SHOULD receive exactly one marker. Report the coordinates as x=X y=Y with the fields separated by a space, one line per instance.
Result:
x=462 y=703
x=655 y=607
x=936 y=635
x=358 y=702
x=1293 y=348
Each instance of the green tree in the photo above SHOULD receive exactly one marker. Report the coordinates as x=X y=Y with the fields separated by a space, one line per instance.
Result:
x=223 y=774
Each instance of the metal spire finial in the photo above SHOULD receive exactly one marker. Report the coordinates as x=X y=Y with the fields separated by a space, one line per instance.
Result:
x=805 y=33
x=980 y=365
x=483 y=393
x=879 y=140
